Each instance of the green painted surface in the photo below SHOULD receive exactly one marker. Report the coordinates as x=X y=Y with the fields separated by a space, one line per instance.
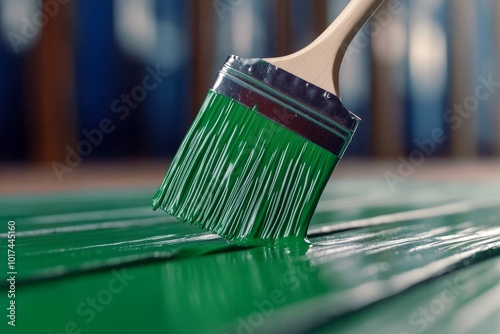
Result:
x=422 y=259
x=235 y=165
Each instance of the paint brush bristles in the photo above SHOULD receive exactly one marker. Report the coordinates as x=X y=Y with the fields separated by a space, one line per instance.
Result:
x=255 y=161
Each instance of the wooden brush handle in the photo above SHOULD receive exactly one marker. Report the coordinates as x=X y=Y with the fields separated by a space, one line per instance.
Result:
x=315 y=62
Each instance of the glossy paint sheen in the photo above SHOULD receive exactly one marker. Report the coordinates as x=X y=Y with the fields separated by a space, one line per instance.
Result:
x=421 y=259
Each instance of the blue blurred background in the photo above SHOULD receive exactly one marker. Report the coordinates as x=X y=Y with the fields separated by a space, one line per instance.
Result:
x=129 y=75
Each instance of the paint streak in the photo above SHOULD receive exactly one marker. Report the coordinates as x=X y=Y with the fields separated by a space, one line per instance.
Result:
x=373 y=277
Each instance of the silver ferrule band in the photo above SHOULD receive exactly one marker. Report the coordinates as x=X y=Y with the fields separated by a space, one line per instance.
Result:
x=302 y=107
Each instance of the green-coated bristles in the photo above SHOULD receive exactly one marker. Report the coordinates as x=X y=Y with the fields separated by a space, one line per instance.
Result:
x=243 y=176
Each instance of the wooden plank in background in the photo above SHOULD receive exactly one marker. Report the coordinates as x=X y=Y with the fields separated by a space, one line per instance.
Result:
x=320 y=16
x=388 y=118
x=50 y=86
x=463 y=139
x=284 y=41
x=496 y=103
x=202 y=42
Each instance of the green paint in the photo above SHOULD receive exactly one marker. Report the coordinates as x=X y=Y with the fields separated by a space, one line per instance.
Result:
x=244 y=177
x=450 y=304
x=178 y=279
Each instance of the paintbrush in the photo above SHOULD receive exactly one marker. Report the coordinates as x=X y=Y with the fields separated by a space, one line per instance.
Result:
x=266 y=140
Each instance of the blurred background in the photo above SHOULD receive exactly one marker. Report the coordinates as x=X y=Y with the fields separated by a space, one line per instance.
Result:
x=86 y=81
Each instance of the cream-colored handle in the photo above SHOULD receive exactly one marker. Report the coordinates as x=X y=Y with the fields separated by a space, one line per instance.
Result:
x=325 y=54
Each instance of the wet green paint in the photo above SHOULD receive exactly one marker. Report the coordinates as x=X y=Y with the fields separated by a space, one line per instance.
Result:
x=93 y=263
x=243 y=176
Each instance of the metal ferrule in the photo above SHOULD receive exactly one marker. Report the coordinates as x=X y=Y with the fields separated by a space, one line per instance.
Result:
x=296 y=104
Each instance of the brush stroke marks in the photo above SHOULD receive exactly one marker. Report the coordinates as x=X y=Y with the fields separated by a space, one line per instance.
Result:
x=420 y=260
